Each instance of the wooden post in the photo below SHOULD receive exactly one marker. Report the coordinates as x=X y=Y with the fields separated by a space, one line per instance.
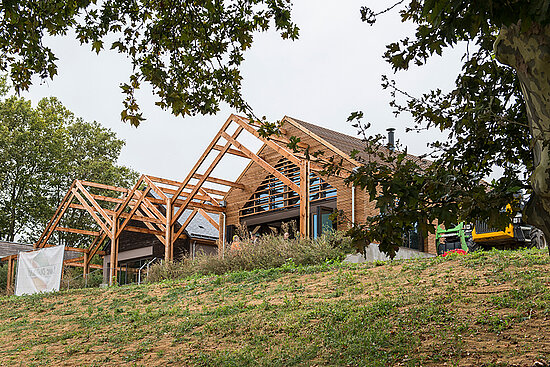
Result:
x=114 y=250
x=9 y=281
x=304 y=198
x=221 y=233
x=86 y=268
x=169 y=248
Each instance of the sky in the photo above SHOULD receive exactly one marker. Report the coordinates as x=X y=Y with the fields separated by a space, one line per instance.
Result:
x=333 y=69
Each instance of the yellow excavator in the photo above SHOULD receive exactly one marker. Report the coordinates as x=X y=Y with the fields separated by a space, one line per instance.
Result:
x=481 y=236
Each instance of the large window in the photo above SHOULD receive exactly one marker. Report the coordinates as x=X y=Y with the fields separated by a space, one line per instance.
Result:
x=320 y=221
x=273 y=195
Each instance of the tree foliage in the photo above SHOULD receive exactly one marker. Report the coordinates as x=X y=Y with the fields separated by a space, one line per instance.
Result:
x=188 y=51
x=42 y=150
x=484 y=115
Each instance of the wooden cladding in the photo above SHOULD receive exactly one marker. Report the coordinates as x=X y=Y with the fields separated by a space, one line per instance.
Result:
x=273 y=194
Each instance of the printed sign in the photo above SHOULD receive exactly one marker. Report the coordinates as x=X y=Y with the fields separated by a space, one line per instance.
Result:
x=39 y=271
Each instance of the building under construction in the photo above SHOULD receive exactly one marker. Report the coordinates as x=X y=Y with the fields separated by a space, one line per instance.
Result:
x=166 y=219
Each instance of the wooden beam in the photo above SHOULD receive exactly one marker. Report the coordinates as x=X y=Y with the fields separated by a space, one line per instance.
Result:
x=193 y=204
x=94 y=247
x=102 y=186
x=93 y=202
x=75 y=259
x=155 y=188
x=114 y=251
x=189 y=186
x=91 y=211
x=168 y=248
x=56 y=217
x=209 y=219
x=152 y=227
x=262 y=163
x=206 y=173
x=123 y=215
x=78 y=231
x=220 y=181
x=187 y=221
x=9 y=281
x=230 y=151
x=304 y=198
x=286 y=142
x=145 y=230
x=107 y=198
x=285 y=152
x=205 y=154
x=86 y=267
x=153 y=210
x=210 y=198
x=164 y=181
x=80 y=265
x=133 y=211
x=184 y=194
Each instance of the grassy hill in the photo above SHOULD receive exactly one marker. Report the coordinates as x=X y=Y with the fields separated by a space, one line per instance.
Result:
x=485 y=309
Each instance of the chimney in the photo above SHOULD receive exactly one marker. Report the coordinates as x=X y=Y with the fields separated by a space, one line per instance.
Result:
x=391 y=138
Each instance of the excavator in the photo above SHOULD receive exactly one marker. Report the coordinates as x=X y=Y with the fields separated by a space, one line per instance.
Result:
x=468 y=237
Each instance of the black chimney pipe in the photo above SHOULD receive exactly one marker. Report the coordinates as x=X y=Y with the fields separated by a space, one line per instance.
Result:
x=391 y=138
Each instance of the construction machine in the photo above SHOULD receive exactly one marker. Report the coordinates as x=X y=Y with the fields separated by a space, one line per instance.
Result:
x=469 y=238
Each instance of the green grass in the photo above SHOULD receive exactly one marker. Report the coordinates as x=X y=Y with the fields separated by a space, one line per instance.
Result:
x=459 y=310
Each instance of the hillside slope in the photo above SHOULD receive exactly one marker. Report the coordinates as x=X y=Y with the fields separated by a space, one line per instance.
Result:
x=485 y=309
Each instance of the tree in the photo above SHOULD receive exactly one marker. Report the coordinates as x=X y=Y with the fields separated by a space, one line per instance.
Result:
x=497 y=116
x=188 y=51
x=42 y=150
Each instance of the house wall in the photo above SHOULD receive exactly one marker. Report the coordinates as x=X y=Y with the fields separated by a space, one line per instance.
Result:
x=253 y=175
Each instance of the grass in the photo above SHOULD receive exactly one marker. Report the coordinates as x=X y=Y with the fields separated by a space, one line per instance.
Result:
x=483 y=309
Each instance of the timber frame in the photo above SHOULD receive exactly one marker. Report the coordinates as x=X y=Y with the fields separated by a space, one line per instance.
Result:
x=159 y=203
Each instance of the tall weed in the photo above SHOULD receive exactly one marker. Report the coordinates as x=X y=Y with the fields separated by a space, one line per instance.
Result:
x=265 y=252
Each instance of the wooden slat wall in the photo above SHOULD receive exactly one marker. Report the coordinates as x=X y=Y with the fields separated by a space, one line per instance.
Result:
x=254 y=175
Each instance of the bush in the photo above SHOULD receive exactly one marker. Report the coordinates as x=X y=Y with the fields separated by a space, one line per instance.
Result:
x=268 y=251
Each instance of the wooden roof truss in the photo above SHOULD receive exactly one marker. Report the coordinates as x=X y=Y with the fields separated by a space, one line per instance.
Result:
x=159 y=203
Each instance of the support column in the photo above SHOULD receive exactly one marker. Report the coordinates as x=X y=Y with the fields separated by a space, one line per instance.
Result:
x=9 y=282
x=86 y=267
x=169 y=242
x=114 y=251
x=221 y=232
x=304 y=198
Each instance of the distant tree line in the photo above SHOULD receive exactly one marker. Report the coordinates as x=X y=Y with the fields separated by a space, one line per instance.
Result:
x=42 y=150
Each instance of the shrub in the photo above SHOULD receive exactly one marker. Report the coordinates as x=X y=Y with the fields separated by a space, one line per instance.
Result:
x=268 y=251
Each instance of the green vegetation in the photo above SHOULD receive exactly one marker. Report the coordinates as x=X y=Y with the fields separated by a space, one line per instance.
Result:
x=43 y=148
x=483 y=309
x=496 y=115
x=265 y=252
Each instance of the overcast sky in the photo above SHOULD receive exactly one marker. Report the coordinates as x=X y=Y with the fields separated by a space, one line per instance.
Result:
x=333 y=69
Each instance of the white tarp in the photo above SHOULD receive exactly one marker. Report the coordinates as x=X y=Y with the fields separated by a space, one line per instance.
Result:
x=39 y=271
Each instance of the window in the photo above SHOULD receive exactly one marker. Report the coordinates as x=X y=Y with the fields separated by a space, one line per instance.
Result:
x=272 y=194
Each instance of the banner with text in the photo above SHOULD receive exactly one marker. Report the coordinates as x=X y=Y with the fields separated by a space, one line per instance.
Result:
x=39 y=271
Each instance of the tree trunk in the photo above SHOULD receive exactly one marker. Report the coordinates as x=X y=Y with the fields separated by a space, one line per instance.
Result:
x=528 y=52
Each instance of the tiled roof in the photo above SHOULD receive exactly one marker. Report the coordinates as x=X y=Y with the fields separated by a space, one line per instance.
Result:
x=199 y=227
x=13 y=248
x=347 y=143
